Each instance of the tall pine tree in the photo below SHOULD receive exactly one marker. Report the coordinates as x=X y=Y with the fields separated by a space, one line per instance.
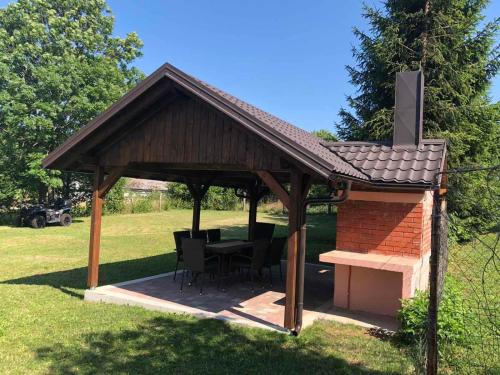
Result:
x=457 y=53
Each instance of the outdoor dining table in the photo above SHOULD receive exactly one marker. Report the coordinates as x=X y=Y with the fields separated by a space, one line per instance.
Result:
x=225 y=248
x=228 y=247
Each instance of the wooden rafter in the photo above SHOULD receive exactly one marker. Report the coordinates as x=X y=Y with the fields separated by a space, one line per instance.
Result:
x=275 y=187
x=110 y=181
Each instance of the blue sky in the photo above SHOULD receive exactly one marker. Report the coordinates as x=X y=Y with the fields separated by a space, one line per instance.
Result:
x=287 y=57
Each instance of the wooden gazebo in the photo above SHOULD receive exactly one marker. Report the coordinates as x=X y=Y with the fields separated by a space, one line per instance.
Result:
x=174 y=127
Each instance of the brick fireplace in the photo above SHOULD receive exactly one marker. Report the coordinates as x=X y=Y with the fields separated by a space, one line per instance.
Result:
x=382 y=250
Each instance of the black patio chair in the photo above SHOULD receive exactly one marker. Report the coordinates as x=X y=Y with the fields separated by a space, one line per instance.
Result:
x=200 y=235
x=264 y=231
x=213 y=235
x=274 y=255
x=178 y=236
x=253 y=263
x=197 y=262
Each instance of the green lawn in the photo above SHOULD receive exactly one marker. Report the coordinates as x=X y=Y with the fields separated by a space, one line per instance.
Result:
x=46 y=327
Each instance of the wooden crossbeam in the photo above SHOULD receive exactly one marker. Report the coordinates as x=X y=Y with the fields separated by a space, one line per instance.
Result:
x=275 y=187
x=110 y=181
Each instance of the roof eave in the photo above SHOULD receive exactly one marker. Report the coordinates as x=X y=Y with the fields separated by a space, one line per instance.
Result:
x=52 y=158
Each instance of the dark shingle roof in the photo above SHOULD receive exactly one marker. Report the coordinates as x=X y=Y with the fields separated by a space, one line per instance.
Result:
x=370 y=162
x=306 y=141
x=385 y=163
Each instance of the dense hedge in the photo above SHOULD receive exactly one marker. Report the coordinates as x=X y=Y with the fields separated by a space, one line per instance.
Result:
x=216 y=198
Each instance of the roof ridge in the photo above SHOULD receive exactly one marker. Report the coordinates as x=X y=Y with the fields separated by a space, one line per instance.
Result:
x=347 y=161
x=361 y=143
x=238 y=105
x=424 y=142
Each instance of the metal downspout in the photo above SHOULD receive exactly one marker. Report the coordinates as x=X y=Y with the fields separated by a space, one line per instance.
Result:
x=302 y=249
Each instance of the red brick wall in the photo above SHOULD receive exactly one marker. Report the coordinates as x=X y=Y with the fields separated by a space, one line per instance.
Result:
x=384 y=227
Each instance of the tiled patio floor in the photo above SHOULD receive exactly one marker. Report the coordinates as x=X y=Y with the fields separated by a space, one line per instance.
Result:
x=263 y=307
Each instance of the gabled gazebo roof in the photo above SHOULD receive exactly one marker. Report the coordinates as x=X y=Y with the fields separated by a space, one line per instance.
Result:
x=367 y=162
x=297 y=143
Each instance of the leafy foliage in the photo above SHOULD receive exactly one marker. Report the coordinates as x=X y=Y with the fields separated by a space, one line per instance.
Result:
x=413 y=317
x=142 y=205
x=326 y=135
x=459 y=59
x=59 y=67
x=219 y=198
x=216 y=198
x=114 y=202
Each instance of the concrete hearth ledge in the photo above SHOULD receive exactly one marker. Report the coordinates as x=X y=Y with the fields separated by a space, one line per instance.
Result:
x=414 y=270
x=392 y=263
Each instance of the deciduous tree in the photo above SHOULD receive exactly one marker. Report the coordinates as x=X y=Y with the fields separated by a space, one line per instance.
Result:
x=60 y=66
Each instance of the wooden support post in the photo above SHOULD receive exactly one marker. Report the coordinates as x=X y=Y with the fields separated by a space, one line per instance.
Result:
x=294 y=201
x=294 y=225
x=95 y=229
x=433 y=308
x=197 y=191
x=252 y=215
x=195 y=227
x=100 y=188
x=255 y=192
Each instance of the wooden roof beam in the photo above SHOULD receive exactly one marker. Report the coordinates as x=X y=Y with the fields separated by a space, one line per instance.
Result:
x=110 y=181
x=275 y=187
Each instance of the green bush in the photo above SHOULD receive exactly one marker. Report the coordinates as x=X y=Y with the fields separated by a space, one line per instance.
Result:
x=114 y=202
x=216 y=198
x=165 y=204
x=413 y=317
x=179 y=196
x=219 y=198
x=81 y=209
x=142 y=205
x=9 y=217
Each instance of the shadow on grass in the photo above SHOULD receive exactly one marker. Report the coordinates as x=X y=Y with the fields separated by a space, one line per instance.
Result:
x=109 y=273
x=169 y=344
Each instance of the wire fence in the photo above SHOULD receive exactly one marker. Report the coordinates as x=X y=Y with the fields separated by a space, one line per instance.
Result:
x=466 y=297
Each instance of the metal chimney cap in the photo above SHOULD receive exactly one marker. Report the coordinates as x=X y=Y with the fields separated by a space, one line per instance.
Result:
x=409 y=109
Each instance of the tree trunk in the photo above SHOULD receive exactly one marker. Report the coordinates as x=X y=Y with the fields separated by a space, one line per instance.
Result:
x=425 y=37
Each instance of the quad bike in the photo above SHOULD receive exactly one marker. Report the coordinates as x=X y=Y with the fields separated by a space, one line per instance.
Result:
x=38 y=216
